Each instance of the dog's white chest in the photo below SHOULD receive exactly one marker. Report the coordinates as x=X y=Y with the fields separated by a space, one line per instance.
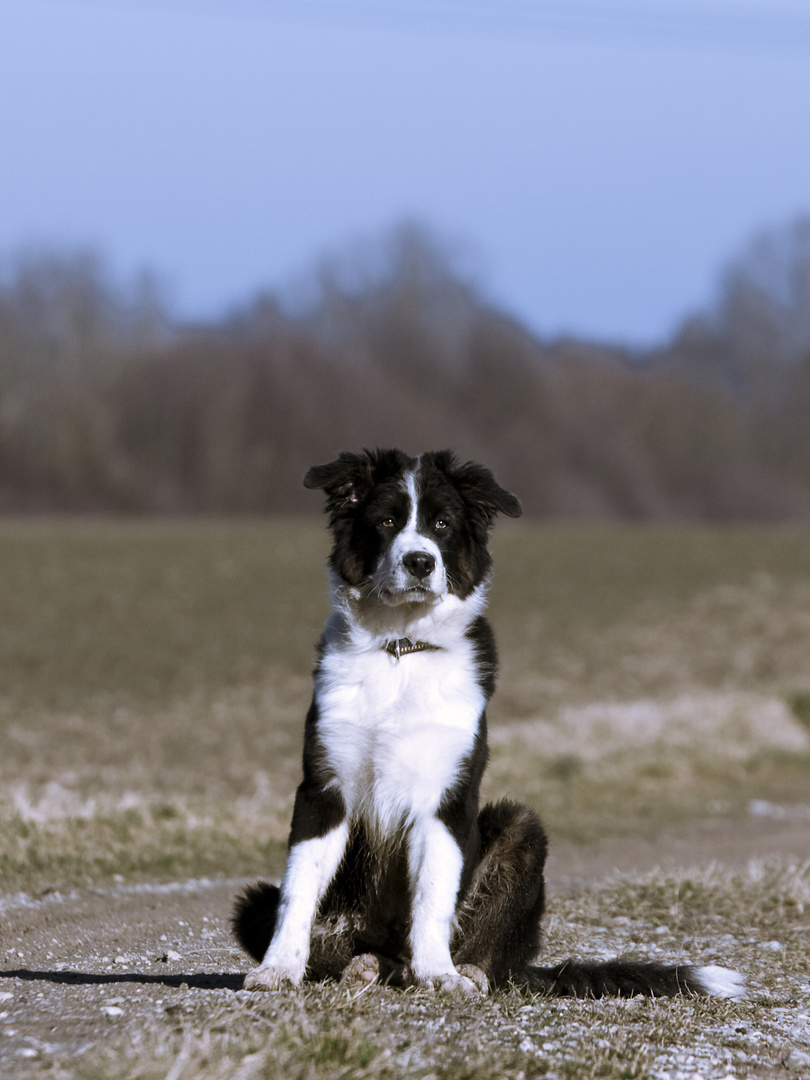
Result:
x=396 y=732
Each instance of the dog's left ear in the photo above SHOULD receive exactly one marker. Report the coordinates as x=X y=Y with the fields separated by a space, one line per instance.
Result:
x=480 y=490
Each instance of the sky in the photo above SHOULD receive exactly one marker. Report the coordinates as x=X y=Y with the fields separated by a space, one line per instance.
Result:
x=598 y=163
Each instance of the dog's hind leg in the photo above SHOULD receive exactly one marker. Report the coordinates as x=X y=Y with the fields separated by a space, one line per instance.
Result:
x=498 y=923
x=499 y=926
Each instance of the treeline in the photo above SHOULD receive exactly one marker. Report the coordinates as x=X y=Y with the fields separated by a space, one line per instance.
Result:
x=106 y=405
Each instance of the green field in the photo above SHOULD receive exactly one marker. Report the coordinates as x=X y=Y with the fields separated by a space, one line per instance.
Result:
x=154 y=678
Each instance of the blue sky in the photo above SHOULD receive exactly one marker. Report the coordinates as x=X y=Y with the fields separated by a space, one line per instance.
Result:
x=597 y=172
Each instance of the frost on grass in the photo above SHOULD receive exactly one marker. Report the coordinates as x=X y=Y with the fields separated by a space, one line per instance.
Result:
x=710 y=916
x=730 y=726
x=622 y=766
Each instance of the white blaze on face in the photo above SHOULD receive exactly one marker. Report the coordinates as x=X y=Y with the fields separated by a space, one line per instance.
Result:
x=395 y=581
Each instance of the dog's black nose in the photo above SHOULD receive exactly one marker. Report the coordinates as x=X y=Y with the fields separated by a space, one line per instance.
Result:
x=419 y=563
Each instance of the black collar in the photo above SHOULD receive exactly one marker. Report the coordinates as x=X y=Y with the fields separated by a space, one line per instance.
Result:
x=404 y=646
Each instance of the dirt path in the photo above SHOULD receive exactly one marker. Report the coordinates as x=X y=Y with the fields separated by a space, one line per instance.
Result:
x=87 y=968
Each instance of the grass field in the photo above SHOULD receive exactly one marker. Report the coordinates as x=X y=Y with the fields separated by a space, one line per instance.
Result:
x=153 y=682
x=154 y=677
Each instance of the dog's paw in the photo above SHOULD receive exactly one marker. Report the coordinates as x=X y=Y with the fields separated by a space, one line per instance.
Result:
x=268 y=979
x=457 y=983
x=361 y=971
x=369 y=969
x=476 y=976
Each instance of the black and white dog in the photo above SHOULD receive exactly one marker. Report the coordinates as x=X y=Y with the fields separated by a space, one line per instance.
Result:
x=393 y=873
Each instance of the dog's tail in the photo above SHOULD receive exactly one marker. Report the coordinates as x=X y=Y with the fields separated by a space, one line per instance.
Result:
x=626 y=978
x=254 y=917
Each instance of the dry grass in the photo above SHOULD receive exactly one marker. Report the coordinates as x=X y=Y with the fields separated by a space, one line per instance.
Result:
x=617 y=614
x=155 y=675
x=154 y=679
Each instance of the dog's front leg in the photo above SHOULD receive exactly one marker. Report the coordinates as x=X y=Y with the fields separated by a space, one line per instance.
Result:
x=434 y=865
x=311 y=865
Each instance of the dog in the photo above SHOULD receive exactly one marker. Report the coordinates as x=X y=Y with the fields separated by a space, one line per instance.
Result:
x=393 y=873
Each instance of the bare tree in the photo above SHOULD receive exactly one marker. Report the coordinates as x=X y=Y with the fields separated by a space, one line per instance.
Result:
x=764 y=309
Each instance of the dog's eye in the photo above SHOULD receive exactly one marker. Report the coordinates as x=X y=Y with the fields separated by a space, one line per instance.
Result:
x=440 y=524
x=387 y=523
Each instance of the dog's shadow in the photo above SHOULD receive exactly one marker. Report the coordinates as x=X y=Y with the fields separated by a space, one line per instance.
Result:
x=198 y=981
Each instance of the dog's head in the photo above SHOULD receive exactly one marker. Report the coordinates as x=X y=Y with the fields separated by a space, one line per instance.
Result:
x=410 y=530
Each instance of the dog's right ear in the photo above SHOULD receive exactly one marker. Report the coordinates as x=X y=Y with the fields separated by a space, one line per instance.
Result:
x=345 y=480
